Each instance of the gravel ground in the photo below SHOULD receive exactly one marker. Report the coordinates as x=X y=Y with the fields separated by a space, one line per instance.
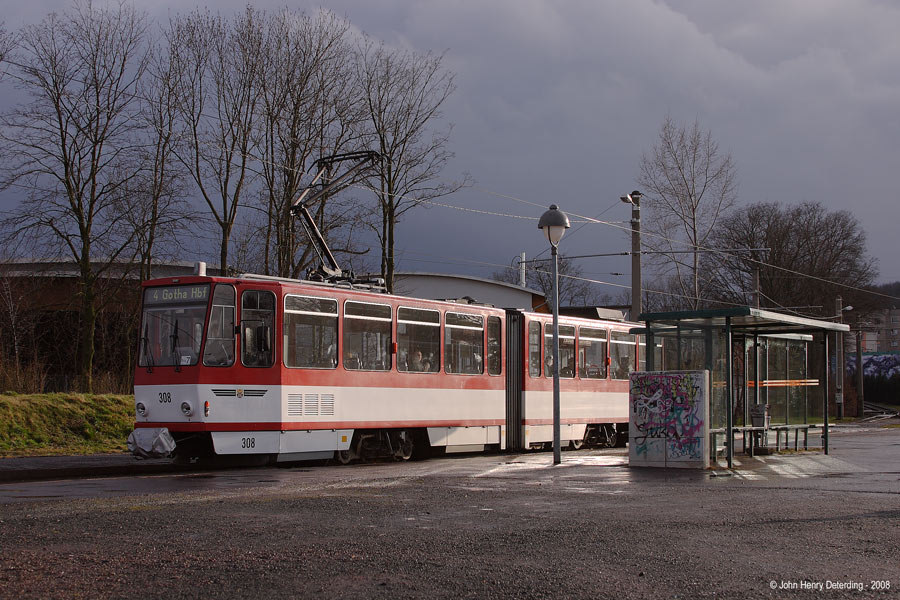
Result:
x=475 y=527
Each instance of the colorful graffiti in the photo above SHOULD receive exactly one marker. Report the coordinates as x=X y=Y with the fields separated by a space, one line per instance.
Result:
x=668 y=419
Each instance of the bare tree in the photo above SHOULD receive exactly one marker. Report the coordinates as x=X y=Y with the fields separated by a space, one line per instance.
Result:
x=218 y=64
x=154 y=201
x=688 y=185
x=71 y=147
x=310 y=110
x=7 y=44
x=18 y=321
x=403 y=92
x=805 y=254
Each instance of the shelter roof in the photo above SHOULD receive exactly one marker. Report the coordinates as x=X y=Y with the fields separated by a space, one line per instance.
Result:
x=743 y=319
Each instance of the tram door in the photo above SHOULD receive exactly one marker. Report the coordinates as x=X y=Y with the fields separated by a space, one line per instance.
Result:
x=515 y=380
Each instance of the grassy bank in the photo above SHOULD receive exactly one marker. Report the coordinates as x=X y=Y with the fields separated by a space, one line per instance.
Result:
x=47 y=424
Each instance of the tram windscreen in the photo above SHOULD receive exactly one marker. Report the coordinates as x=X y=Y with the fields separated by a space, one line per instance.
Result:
x=172 y=325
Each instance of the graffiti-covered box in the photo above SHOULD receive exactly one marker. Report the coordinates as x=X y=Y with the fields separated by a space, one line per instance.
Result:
x=668 y=419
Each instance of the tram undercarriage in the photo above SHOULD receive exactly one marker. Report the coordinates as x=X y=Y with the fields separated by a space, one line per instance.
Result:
x=397 y=444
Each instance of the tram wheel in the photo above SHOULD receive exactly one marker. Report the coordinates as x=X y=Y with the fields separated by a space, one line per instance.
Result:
x=611 y=439
x=345 y=457
x=406 y=446
x=576 y=444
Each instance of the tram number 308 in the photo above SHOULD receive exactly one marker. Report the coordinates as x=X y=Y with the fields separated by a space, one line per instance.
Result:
x=248 y=442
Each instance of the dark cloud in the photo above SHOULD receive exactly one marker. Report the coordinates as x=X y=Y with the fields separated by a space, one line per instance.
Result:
x=556 y=101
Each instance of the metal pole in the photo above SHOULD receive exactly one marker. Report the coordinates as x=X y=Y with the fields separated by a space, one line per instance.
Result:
x=635 y=256
x=860 y=395
x=522 y=271
x=839 y=360
x=825 y=394
x=756 y=286
x=729 y=381
x=556 y=456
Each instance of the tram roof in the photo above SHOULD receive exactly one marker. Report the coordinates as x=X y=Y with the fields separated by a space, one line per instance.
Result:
x=743 y=319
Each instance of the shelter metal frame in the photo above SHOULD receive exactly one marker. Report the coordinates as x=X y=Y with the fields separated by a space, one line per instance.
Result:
x=746 y=321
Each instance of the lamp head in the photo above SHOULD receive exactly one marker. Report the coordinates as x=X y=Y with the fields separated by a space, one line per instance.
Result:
x=632 y=198
x=554 y=223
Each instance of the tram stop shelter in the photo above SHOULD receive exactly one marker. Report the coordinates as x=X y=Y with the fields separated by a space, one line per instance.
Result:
x=769 y=371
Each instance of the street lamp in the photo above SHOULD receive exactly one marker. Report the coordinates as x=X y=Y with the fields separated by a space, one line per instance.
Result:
x=554 y=223
x=634 y=199
x=860 y=391
x=839 y=358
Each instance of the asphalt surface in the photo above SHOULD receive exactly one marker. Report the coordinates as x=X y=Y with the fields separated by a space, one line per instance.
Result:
x=36 y=468
x=477 y=526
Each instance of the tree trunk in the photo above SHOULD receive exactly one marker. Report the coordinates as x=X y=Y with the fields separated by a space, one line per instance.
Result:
x=223 y=251
x=389 y=278
x=384 y=246
x=88 y=322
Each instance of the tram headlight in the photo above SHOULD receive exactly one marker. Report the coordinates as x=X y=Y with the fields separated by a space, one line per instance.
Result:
x=141 y=409
x=187 y=409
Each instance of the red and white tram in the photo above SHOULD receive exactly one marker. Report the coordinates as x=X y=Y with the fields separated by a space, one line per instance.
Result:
x=295 y=370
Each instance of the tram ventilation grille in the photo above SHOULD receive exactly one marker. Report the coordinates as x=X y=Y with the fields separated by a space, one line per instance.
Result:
x=310 y=405
x=240 y=393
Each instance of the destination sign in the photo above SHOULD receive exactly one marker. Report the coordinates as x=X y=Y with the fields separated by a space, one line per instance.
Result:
x=177 y=294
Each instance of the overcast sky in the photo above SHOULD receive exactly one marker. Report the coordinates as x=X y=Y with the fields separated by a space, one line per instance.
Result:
x=556 y=102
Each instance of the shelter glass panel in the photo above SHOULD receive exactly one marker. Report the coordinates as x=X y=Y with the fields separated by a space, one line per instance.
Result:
x=798 y=383
x=777 y=381
x=740 y=374
x=814 y=368
x=622 y=354
x=717 y=341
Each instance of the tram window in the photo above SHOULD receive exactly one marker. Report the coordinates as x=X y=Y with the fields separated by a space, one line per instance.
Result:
x=367 y=336
x=257 y=322
x=622 y=354
x=494 y=346
x=566 y=350
x=534 y=349
x=592 y=349
x=219 y=350
x=310 y=332
x=172 y=325
x=464 y=343
x=418 y=340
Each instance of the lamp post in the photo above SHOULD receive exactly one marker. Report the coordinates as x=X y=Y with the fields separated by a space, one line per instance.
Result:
x=839 y=358
x=554 y=223
x=634 y=199
x=860 y=392
x=839 y=361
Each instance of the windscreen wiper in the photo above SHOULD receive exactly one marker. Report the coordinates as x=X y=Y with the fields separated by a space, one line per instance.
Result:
x=174 y=338
x=145 y=344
